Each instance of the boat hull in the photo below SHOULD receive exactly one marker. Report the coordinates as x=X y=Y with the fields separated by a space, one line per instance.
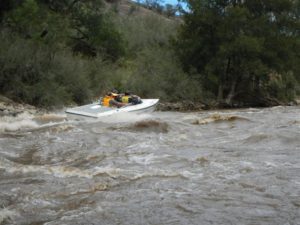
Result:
x=96 y=110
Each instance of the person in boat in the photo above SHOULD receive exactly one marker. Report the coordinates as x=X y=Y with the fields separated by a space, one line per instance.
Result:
x=128 y=98
x=111 y=100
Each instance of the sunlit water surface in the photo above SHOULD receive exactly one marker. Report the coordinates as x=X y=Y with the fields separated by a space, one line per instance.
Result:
x=211 y=167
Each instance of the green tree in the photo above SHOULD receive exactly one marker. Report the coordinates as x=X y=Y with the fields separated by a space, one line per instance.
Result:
x=32 y=20
x=235 y=45
x=170 y=10
x=94 y=31
x=5 y=6
x=154 y=5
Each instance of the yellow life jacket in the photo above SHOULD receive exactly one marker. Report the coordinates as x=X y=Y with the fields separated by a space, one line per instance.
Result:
x=106 y=100
x=126 y=99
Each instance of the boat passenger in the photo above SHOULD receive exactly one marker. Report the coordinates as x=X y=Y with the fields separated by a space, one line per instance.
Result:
x=110 y=100
x=129 y=98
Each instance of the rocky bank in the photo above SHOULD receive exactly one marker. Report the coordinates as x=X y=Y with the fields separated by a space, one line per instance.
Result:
x=11 y=108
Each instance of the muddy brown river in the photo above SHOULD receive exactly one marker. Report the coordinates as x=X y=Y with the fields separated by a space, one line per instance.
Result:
x=211 y=167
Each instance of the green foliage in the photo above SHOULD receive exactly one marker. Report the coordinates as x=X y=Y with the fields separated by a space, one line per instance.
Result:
x=157 y=74
x=170 y=10
x=33 y=21
x=25 y=18
x=154 y=5
x=6 y=6
x=151 y=69
x=235 y=45
x=148 y=31
x=38 y=67
x=34 y=74
x=94 y=31
x=282 y=87
x=85 y=26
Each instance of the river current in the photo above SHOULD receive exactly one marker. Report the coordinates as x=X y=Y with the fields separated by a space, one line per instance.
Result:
x=210 y=167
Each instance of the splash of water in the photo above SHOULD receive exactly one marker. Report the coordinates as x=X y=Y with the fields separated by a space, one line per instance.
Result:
x=6 y=214
x=22 y=121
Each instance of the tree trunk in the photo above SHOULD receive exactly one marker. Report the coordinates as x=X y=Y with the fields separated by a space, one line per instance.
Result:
x=231 y=92
x=220 y=93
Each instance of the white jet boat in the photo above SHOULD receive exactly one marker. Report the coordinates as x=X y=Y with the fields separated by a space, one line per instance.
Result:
x=96 y=110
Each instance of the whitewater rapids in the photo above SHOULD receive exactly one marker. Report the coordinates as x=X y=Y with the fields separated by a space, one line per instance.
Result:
x=210 y=167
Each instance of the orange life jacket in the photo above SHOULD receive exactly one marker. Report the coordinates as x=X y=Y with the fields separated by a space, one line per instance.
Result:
x=106 y=100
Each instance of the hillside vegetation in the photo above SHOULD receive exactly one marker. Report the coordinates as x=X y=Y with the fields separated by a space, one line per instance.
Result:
x=54 y=53
x=244 y=52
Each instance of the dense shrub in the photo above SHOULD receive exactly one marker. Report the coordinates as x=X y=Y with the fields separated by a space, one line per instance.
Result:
x=147 y=31
x=157 y=75
x=32 y=73
x=237 y=46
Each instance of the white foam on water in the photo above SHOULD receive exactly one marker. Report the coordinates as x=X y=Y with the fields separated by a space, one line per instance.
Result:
x=99 y=208
x=147 y=159
x=111 y=171
x=270 y=164
x=61 y=171
x=27 y=121
x=57 y=171
x=57 y=127
x=50 y=117
x=6 y=214
x=233 y=177
x=246 y=163
x=41 y=203
x=188 y=174
x=157 y=173
x=16 y=123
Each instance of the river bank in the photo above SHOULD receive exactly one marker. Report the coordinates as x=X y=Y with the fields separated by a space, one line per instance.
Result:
x=11 y=108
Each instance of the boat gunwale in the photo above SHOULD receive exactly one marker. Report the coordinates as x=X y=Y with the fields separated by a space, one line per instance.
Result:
x=111 y=112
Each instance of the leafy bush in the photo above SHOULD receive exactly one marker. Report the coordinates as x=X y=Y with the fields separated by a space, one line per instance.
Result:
x=38 y=67
x=235 y=45
x=147 y=31
x=30 y=72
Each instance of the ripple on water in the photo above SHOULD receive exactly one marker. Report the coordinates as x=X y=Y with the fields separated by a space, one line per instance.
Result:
x=255 y=138
x=30 y=156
